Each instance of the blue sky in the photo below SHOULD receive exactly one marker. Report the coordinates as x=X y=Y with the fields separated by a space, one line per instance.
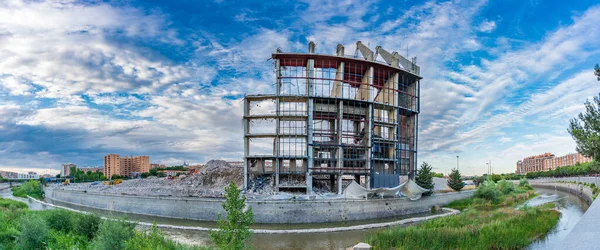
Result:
x=79 y=79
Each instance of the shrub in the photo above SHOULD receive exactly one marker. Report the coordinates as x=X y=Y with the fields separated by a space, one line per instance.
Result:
x=87 y=225
x=424 y=178
x=31 y=188
x=524 y=184
x=12 y=204
x=113 y=235
x=488 y=190
x=455 y=182
x=235 y=231
x=506 y=187
x=34 y=232
x=62 y=240
x=59 y=219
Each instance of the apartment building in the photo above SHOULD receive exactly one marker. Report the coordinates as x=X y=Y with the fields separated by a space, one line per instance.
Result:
x=549 y=161
x=519 y=167
x=536 y=163
x=567 y=160
x=66 y=169
x=125 y=166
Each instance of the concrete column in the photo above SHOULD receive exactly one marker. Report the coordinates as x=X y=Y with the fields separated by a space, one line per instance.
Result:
x=340 y=153
x=339 y=183
x=277 y=138
x=309 y=123
x=246 y=142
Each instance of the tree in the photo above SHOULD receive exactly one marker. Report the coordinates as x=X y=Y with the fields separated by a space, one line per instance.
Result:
x=597 y=71
x=585 y=129
x=424 y=178
x=235 y=230
x=455 y=182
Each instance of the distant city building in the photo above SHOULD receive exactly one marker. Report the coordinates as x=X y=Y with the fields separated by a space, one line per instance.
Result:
x=112 y=165
x=28 y=176
x=156 y=165
x=93 y=169
x=536 y=163
x=236 y=163
x=173 y=172
x=66 y=169
x=9 y=175
x=126 y=166
x=548 y=161
x=567 y=160
x=46 y=176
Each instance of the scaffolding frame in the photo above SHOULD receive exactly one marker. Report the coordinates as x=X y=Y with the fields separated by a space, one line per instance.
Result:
x=334 y=115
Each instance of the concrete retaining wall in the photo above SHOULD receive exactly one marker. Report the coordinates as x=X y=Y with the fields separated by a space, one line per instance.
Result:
x=265 y=212
x=580 y=190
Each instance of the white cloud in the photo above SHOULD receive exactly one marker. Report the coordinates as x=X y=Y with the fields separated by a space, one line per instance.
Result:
x=65 y=48
x=505 y=139
x=487 y=26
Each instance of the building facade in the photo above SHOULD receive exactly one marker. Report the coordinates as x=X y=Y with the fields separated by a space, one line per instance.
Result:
x=28 y=176
x=66 y=169
x=519 y=167
x=9 y=175
x=334 y=115
x=125 y=166
x=567 y=160
x=536 y=162
x=548 y=161
x=92 y=169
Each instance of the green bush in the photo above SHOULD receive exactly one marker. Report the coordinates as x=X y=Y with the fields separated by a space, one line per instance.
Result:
x=62 y=240
x=59 y=219
x=34 y=232
x=113 y=235
x=524 y=184
x=87 y=225
x=31 y=188
x=488 y=190
x=12 y=204
x=506 y=187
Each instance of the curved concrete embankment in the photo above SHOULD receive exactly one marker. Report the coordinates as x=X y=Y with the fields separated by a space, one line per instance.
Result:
x=580 y=190
x=265 y=212
x=448 y=212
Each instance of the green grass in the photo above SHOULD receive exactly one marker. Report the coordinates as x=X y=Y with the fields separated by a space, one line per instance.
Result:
x=21 y=228
x=483 y=224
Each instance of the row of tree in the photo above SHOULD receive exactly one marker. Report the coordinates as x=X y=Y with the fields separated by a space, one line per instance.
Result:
x=424 y=178
x=580 y=169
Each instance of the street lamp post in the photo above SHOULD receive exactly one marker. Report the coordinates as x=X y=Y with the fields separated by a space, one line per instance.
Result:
x=457 y=163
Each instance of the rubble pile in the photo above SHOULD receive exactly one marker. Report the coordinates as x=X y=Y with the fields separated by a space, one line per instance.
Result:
x=209 y=182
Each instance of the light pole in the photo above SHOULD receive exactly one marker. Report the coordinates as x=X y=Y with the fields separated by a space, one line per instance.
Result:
x=488 y=167
x=457 y=163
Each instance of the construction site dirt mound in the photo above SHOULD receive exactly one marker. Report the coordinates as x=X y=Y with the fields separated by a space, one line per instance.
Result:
x=210 y=181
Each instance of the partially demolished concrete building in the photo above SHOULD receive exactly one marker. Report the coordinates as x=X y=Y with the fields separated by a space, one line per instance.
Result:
x=333 y=116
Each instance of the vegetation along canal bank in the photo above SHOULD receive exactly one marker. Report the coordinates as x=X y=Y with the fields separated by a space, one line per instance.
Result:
x=492 y=219
x=489 y=220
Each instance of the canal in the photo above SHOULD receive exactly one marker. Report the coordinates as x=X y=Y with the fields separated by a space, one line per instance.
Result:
x=570 y=206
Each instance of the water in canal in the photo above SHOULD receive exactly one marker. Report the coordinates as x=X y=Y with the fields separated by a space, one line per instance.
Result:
x=571 y=209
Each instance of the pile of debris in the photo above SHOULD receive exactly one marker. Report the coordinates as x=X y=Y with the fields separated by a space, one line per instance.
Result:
x=209 y=182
